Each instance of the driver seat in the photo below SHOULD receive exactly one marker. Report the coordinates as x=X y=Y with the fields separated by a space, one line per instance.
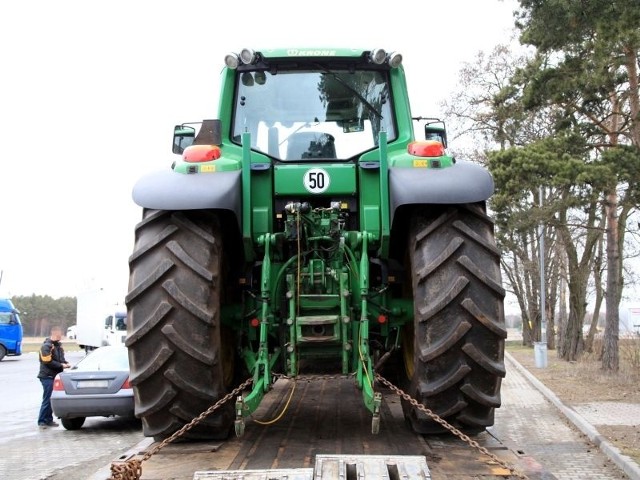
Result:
x=308 y=145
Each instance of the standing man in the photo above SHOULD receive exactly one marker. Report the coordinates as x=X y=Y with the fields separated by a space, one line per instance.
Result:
x=52 y=362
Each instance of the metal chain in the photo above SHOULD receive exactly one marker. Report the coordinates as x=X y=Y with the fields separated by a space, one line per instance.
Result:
x=129 y=470
x=465 y=438
x=132 y=468
x=313 y=378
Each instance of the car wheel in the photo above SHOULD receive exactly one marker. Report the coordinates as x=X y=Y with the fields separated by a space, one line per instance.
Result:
x=72 y=423
x=3 y=352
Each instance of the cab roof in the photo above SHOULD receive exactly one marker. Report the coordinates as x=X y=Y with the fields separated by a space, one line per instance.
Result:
x=6 y=305
x=312 y=52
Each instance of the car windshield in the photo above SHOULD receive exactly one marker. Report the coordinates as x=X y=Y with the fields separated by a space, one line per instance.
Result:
x=105 y=358
x=321 y=114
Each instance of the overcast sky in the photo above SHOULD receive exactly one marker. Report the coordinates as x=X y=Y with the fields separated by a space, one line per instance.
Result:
x=90 y=92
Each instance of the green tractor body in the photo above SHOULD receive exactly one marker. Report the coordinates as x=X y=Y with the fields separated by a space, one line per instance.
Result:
x=307 y=231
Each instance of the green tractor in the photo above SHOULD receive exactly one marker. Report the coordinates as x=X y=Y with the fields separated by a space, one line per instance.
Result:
x=307 y=231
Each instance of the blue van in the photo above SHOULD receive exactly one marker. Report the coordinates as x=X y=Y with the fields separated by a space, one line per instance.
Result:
x=10 y=329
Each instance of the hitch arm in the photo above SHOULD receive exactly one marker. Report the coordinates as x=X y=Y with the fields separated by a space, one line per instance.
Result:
x=262 y=365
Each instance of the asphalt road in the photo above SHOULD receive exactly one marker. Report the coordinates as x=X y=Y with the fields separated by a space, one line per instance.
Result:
x=29 y=453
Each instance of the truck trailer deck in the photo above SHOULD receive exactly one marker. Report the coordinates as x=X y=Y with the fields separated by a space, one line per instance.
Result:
x=322 y=423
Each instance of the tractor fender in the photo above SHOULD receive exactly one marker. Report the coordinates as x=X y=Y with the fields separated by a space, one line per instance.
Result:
x=464 y=182
x=167 y=190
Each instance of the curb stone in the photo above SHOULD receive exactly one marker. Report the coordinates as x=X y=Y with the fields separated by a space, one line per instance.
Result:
x=625 y=463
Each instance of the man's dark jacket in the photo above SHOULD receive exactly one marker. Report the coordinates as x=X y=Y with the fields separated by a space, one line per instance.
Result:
x=51 y=359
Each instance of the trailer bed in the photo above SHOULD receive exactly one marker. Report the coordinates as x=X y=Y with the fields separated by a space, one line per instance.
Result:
x=326 y=417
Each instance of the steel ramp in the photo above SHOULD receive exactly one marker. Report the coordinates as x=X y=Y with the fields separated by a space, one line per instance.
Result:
x=266 y=474
x=331 y=467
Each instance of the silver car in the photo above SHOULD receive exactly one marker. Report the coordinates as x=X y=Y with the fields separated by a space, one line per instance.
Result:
x=98 y=385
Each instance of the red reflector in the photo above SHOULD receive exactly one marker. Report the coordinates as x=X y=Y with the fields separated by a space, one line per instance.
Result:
x=57 y=384
x=126 y=385
x=255 y=322
x=382 y=319
x=201 y=153
x=426 y=148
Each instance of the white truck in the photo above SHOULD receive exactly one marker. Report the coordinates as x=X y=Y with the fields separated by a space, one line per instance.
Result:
x=100 y=320
x=630 y=321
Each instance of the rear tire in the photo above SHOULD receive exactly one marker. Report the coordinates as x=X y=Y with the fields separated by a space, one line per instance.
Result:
x=73 y=423
x=3 y=352
x=179 y=364
x=454 y=352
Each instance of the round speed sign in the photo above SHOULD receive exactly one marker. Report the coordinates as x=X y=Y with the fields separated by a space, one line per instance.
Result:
x=316 y=180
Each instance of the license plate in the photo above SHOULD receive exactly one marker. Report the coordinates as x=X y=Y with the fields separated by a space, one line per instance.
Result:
x=93 y=384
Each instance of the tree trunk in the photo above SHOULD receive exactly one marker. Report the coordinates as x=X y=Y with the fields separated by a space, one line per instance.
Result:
x=597 y=280
x=555 y=283
x=595 y=319
x=550 y=334
x=571 y=344
x=528 y=334
x=514 y=273
x=631 y=64
x=610 y=354
x=562 y=316
x=523 y=283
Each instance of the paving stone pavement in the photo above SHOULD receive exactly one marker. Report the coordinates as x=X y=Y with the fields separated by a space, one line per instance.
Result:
x=39 y=454
x=549 y=438
x=529 y=424
x=610 y=413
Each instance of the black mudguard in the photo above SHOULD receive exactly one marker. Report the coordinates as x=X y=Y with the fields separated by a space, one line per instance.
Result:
x=464 y=182
x=168 y=190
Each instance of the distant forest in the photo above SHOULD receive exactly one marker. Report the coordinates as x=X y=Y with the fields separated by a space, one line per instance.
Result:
x=38 y=313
